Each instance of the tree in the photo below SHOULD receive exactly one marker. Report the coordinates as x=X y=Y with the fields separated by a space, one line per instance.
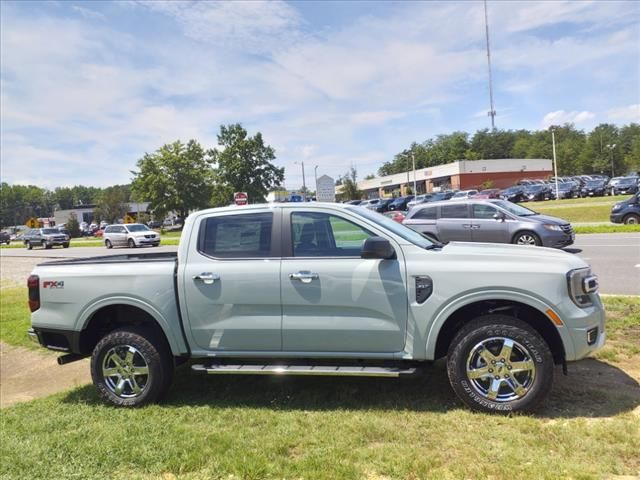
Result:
x=175 y=178
x=350 y=185
x=73 y=227
x=244 y=164
x=111 y=204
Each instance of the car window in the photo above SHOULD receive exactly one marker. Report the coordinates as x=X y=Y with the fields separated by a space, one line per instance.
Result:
x=121 y=230
x=483 y=211
x=316 y=234
x=427 y=213
x=454 y=211
x=237 y=236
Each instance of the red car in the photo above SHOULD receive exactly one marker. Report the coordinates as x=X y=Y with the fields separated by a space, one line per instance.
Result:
x=396 y=215
x=489 y=193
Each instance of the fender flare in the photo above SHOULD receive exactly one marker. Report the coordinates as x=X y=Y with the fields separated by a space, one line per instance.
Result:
x=468 y=298
x=176 y=343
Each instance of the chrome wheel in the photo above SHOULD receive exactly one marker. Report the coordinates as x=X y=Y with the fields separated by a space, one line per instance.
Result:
x=526 y=239
x=125 y=371
x=500 y=369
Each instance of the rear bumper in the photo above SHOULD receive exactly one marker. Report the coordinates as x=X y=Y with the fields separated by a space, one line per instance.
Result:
x=57 y=340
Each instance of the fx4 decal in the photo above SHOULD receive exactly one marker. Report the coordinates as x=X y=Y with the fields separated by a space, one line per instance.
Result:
x=53 y=284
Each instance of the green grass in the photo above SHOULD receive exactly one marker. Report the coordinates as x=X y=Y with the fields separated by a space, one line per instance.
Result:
x=14 y=316
x=610 y=228
x=578 y=210
x=332 y=428
x=172 y=238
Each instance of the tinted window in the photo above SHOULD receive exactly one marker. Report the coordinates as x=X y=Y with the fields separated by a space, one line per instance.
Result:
x=138 y=228
x=483 y=211
x=425 y=214
x=237 y=236
x=454 y=211
x=315 y=234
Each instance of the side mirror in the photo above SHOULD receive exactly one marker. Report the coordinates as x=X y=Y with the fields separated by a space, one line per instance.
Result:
x=499 y=216
x=377 y=247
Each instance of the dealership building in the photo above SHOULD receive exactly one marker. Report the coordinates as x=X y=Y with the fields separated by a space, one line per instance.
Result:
x=459 y=175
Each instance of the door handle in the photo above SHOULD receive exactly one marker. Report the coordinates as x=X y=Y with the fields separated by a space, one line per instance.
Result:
x=207 y=277
x=304 y=276
x=466 y=225
x=475 y=227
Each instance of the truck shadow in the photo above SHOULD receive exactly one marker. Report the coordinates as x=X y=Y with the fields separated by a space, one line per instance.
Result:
x=592 y=389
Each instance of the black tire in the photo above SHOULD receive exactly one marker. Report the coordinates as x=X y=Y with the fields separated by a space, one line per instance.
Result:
x=149 y=350
x=131 y=243
x=488 y=329
x=108 y=244
x=28 y=245
x=527 y=238
x=65 y=245
x=45 y=246
x=631 y=219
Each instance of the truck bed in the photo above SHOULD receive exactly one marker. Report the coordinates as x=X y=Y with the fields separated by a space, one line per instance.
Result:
x=124 y=258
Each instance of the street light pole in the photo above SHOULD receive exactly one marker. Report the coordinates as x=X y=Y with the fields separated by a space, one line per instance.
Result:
x=315 y=175
x=555 y=162
x=304 y=184
x=413 y=159
x=611 y=147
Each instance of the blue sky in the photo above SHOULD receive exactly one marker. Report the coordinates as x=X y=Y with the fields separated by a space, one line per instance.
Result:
x=88 y=87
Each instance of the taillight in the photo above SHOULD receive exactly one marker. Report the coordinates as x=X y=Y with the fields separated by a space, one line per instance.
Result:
x=33 y=283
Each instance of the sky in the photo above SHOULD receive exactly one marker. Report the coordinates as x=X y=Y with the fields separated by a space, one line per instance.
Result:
x=86 y=88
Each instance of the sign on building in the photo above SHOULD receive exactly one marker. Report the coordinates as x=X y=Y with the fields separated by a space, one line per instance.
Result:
x=326 y=189
x=241 y=198
x=32 y=223
x=129 y=219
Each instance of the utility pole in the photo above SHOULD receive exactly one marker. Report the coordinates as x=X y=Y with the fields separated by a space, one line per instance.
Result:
x=611 y=147
x=492 y=111
x=413 y=159
x=555 y=163
x=304 y=184
x=315 y=174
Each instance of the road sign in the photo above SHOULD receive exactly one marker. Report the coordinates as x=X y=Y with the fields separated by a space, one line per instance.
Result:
x=241 y=198
x=326 y=189
x=129 y=219
x=32 y=223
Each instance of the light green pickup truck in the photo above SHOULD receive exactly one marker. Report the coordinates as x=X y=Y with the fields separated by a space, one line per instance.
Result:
x=321 y=289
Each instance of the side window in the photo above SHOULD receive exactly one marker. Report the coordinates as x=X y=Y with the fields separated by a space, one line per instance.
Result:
x=121 y=230
x=315 y=234
x=108 y=230
x=237 y=236
x=426 y=213
x=483 y=211
x=456 y=210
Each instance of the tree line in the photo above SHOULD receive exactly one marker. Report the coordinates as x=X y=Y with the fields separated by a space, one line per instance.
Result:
x=577 y=151
x=178 y=177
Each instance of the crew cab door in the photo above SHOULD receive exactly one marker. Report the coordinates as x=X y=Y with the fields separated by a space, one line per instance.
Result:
x=231 y=281
x=333 y=300
x=454 y=223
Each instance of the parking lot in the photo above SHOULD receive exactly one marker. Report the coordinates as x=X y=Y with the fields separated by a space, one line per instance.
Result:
x=615 y=258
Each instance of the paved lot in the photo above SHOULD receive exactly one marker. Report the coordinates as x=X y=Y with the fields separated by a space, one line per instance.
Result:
x=614 y=257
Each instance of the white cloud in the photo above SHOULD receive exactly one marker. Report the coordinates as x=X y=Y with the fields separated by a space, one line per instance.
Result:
x=560 y=116
x=630 y=113
x=89 y=13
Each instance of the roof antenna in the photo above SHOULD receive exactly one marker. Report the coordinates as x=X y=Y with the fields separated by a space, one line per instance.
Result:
x=492 y=111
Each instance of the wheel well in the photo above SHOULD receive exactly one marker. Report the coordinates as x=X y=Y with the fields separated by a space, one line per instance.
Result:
x=519 y=232
x=112 y=317
x=533 y=317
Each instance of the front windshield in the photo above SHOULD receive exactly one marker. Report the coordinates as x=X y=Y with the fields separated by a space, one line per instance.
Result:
x=137 y=228
x=627 y=181
x=397 y=228
x=594 y=183
x=50 y=231
x=514 y=208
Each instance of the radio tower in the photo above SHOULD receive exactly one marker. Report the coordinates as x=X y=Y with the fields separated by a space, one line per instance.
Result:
x=492 y=111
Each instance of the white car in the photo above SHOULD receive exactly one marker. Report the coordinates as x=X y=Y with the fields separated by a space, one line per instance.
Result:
x=464 y=194
x=130 y=235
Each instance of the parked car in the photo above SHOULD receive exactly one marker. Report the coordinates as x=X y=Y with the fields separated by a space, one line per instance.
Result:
x=371 y=203
x=45 y=238
x=321 y=289
x=496 y=221
x=594 y=188
x=489 y=193
x=439 y=196
x=130 y=235
x=627 y=211
x=566 y=190
x=153 y=224
x=400 y=203
x=626 y=186
x=396 y=215
x=513 y=194
x=5 y=238
x=462 y=194
x=383 y=205
x=418 y=199
x=537 y=192
x=353 y=202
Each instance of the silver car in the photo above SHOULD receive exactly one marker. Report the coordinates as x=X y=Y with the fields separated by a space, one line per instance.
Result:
x=492 y=221
x=130 y=235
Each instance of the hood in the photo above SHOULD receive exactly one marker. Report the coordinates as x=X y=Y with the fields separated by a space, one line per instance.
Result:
x=545 y=219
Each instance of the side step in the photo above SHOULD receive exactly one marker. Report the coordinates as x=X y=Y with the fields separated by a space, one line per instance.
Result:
x=352 y=371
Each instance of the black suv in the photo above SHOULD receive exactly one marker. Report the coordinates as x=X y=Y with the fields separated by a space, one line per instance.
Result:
x=626 y=186
x=594 y=188
x=400 y=203
x=5 y=238
x=627 y=212
x=45 y=238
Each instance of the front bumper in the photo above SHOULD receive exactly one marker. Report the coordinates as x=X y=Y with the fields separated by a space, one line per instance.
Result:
x=147 y=241
x=555 y=239
x=616 y=217
x=583 y=332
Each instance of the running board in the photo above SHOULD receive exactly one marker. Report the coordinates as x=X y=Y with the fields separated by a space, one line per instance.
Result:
x=350 y=371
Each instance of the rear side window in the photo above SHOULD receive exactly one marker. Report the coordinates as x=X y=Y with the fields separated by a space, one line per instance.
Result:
x=109 y=230
x=237 y=236
x=316 y=234
x=458 y=210
x=428 y=213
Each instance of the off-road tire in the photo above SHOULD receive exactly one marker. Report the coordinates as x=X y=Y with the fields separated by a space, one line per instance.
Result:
x=488 y=327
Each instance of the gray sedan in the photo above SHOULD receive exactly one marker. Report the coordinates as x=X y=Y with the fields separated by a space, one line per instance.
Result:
x=494 y=221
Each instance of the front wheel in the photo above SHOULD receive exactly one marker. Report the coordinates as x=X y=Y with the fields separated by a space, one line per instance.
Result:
x=632 y=219
x=131 y=243
x=131 y=367
x=28 y=245
x=527 y=238
x=108 y=244
x=499 y=363
x=65 y=245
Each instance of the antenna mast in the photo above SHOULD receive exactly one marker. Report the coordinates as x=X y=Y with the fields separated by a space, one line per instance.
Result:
x=492 y=111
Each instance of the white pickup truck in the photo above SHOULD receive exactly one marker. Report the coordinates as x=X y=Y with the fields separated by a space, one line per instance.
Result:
x=320 y=289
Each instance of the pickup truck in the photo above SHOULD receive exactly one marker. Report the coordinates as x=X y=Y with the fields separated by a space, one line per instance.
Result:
x=320 y=289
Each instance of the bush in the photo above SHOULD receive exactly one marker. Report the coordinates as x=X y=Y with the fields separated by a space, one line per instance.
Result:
x=73 y=227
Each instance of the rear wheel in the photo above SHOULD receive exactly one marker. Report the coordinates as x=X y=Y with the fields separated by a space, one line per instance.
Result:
x=131 y=243
x=527 y=238
x=28 y=245
x=632 y=219
x=131 y=367
x=107 y=243
x=498 y=363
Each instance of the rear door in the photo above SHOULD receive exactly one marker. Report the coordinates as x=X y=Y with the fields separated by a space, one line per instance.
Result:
x=333 y=300
x=485 y=228
x=231 y=281
x=454 y=224
x=423 y=219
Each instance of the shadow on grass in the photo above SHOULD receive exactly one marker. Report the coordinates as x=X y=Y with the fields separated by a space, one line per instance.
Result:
x=592 y=389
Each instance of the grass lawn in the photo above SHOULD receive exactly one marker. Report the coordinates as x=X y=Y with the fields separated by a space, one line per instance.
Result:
x=575 y=210
x=249 y=427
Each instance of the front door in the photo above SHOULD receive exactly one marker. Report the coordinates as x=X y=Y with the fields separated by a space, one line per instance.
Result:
x=333 y=300
x=232 y=283
x=485 y=228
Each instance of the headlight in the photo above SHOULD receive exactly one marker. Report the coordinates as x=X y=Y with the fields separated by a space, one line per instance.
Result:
x=555 y=228
x=582 y=283
x=616 y=207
